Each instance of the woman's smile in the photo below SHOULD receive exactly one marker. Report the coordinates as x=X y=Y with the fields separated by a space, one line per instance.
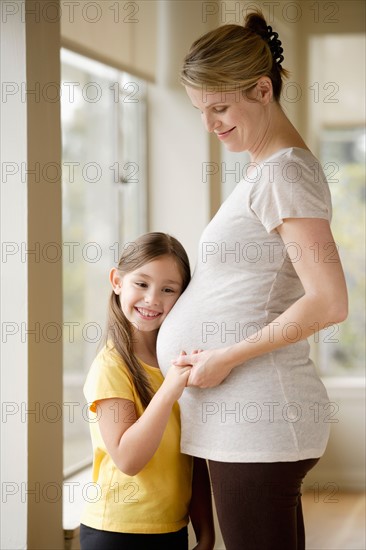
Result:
x=223 y=135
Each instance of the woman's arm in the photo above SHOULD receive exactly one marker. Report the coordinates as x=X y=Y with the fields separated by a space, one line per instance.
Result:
x=315 y=258
x=200 y=509
x=132 y=442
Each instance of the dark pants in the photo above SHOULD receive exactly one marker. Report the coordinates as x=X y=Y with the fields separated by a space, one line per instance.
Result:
x=259 y=504
x=94 y=539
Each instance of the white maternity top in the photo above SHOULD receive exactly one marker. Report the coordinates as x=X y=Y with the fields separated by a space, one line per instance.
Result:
x=273 y=407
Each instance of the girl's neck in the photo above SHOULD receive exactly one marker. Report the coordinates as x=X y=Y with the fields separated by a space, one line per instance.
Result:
x=144 y=347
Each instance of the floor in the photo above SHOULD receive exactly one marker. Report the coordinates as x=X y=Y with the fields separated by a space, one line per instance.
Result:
x=334 y=521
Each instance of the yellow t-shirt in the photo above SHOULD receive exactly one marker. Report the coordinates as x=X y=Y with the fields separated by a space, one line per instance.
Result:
x=155 y=500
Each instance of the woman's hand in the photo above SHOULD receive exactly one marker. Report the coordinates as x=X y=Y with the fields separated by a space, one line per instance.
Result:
x=209 y=368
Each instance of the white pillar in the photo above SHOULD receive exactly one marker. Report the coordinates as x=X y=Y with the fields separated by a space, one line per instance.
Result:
x=180 y=195
x=31 y=292
x=13 y=277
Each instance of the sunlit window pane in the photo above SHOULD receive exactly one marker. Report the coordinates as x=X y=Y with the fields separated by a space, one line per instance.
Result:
x=336 y=117
x=103 y=207
x=342 y=348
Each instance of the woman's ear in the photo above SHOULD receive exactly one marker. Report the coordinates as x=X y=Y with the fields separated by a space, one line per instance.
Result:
x=264 y=90
x=261 y=92
x=115 y=280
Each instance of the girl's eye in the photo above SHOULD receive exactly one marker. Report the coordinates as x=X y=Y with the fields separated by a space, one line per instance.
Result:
x=168 y=290
x=142 y=285
x=220 y=109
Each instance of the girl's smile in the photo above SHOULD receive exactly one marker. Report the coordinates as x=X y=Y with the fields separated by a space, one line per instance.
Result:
x=147 y=314
x=148 y=293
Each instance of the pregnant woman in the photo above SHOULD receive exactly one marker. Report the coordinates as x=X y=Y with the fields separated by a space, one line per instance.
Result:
x=268 y=276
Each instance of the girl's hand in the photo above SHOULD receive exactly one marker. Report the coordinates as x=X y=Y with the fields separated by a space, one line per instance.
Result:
x=209 y=368
x=175 y=381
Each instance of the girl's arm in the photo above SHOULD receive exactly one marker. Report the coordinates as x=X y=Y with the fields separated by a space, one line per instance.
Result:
x=315 y=258
x=200 y=509
x=132 y=442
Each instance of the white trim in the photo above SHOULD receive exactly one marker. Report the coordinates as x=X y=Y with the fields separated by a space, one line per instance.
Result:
x=14 y=291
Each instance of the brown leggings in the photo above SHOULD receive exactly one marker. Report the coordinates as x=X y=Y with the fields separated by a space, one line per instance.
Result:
x=259 y=504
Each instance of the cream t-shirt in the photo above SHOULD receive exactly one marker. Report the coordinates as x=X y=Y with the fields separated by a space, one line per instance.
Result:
x=273 y=407
x=155 y=500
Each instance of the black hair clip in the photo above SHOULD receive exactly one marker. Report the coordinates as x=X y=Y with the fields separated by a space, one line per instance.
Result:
x=275 y=46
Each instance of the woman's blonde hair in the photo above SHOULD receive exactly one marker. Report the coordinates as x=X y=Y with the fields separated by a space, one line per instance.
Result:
x=120 y=331
x=234 y=57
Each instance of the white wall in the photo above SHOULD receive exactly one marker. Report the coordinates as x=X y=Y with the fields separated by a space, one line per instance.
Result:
x=178 y=144
x=13 y=299
x=342 y=467
x=178 y=198
x=122 y=34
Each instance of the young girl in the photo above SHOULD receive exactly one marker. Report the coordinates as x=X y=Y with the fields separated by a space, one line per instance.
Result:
x=145 y=488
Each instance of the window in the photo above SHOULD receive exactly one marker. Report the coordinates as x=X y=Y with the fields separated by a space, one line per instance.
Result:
x=342 y=154
x=104 y=206
x=336 y=114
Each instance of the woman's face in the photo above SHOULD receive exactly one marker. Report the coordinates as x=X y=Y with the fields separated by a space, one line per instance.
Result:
x=239 y=120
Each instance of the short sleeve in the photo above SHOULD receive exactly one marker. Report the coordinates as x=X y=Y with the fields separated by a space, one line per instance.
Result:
x=108 y=377
x=290 y=187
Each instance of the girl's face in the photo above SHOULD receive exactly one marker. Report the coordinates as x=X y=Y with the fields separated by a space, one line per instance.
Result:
x=148 y=293
x=237 y=120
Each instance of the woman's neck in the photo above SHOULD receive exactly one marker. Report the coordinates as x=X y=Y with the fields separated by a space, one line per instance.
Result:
x=278 y=134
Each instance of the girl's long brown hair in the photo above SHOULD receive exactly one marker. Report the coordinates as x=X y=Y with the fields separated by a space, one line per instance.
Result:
x=120 y=331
